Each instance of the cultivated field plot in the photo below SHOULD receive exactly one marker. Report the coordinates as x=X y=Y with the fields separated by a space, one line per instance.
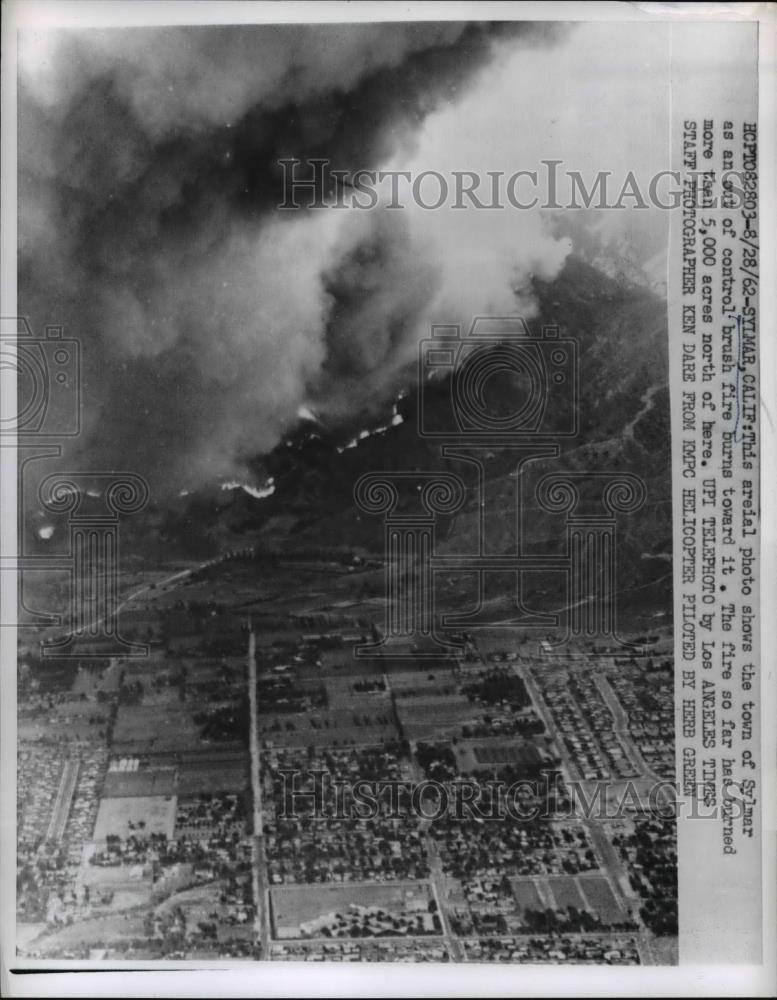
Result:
x=369 y=709
x=419 y=683
x=157 y=690
x=89 y=682
x=67 y=726
x=327 y=728
x=228 y=772
x=293 y=905
x=277 y=633
x=474 y=754
x=74 y=708
x=341 y=662
x=127 y=784
x=186 y=644
x=497 y=643
x=566 y=893
x=526 y=894
x=149 y=728
x=507 y=753
x=421 y=716
x=204 y=671
x=123 y=817
x=601 y=899
x=404 y=668
x=357 y=687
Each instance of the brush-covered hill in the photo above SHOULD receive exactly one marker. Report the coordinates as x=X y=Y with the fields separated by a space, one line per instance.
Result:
x=623 y=418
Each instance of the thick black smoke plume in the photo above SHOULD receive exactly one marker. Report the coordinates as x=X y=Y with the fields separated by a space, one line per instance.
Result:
x=148 y=180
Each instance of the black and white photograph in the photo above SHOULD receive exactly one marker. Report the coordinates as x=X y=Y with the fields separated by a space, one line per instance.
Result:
x=381 y=442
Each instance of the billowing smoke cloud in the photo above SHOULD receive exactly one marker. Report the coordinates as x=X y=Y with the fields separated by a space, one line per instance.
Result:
x=147 y=226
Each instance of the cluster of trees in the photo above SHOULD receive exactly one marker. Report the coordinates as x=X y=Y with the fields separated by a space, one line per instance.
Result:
x=282 y=694
x=529 y=726
x=350 y=926
x=368 y=686
x=569 y=921
x=660 y=915
x=54 y=674
x=31 y=895
x=224 y=724
x=437 y=760
x=653 y=845
x=497 y=686
x=131 y=693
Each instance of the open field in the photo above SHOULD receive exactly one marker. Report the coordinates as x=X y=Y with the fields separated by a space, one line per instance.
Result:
x=156 y=812
x=442 y=714
x=115 y=888
x=601 y=898
x=592 y=892
x=566 y=893
x=100 y=931
x=421 y=683
x=58 y=727
x=526 y=894
x=154 y=727
x=296 y=905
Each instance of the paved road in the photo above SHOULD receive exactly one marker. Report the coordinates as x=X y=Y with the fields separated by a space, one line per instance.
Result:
x=568 y=766
x=621 y=726
x=260 y=888
x=438 y=881
x=436 y=874
x=63 y=801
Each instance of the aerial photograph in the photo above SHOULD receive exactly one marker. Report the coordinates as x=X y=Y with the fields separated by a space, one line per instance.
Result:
x=345 y=505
